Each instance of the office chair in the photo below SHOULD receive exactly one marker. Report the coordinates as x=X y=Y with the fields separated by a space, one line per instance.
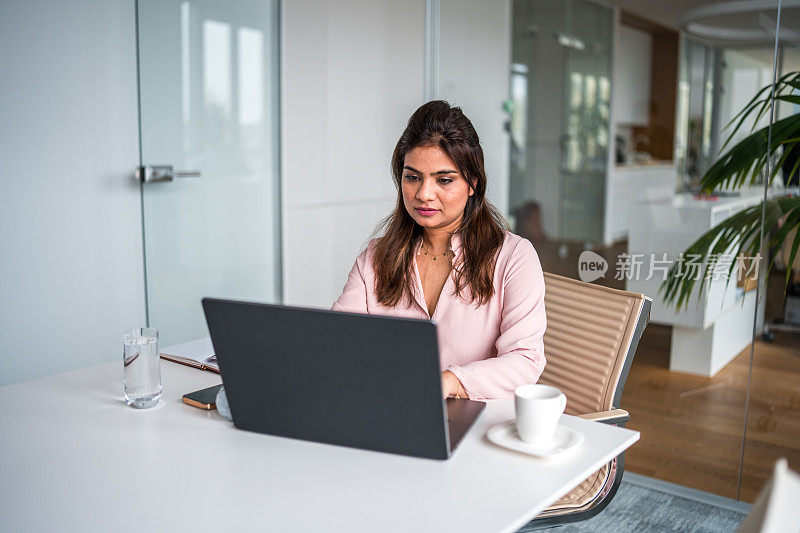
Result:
x=591 y=338
x=776 y=509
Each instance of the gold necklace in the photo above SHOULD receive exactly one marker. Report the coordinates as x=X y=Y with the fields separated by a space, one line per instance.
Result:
x=433 y=256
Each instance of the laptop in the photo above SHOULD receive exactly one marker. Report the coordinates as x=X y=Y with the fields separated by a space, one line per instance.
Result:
x=364 y=381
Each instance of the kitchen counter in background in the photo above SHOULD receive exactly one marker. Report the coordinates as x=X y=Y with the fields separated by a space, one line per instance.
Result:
x=714 y=329
x=629 y=183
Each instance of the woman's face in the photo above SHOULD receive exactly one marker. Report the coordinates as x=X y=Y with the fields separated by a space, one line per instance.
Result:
x=434 y=192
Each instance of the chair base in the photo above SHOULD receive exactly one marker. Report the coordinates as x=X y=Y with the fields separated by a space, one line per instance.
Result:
x=579 y=516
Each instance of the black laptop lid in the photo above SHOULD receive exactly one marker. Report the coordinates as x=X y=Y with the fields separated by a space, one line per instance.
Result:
x=363 y=381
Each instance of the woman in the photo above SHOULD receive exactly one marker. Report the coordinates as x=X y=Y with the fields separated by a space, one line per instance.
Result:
x=446 y=256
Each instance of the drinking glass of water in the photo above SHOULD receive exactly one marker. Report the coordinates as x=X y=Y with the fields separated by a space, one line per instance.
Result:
x=141 y=367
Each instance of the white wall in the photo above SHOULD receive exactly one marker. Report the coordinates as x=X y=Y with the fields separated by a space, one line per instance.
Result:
x=632 y=76
x=352 y=74
x=70 y=230
x=474 y=73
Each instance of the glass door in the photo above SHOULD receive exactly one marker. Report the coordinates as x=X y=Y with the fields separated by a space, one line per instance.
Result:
x=772 y=423
x=209 y=161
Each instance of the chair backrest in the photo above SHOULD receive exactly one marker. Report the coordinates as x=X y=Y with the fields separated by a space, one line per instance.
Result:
x=591 y=337
x=776 y=510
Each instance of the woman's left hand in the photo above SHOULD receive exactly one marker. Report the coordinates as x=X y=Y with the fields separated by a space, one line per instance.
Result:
x=451 y=386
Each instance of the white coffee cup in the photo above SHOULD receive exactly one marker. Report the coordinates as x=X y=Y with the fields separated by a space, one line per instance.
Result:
x=539 y=407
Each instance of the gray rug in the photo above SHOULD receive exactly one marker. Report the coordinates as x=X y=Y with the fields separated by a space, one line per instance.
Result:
x=636 y=508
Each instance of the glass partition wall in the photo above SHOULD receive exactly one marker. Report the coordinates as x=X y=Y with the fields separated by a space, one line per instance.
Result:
x=561 y=89
x=614 y=121
x=772 y=427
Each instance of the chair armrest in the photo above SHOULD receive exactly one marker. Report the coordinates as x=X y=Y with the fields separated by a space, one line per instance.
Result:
x=614 y=416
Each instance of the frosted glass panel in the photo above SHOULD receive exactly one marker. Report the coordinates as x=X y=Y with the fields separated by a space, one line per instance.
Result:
x=208 y=82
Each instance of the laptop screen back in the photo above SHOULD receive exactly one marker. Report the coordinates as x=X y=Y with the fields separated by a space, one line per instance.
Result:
x=363 y=381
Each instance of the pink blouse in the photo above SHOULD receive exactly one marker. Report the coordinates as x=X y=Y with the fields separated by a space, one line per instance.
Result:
x=492 y=348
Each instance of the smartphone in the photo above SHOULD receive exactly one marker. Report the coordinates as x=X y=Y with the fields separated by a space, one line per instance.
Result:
x=203 y=398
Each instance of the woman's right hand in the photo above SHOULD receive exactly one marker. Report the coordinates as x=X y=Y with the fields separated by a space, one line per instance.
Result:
x=451 y=386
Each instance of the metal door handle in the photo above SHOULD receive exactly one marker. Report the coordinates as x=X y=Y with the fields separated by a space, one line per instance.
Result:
x=152 y=173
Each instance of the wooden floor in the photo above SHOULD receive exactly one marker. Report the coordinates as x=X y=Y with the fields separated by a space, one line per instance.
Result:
x=692 y=426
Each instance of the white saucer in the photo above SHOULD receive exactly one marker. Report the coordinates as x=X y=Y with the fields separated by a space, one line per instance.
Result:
x=564 y=440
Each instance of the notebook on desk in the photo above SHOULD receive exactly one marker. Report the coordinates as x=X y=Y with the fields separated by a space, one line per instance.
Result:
x=198 y=354
x=364 y=381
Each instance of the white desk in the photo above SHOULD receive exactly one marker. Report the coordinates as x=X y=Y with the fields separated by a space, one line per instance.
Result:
x=74 y=457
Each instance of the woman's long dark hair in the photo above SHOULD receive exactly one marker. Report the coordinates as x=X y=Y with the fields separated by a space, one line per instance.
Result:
x=438 y=124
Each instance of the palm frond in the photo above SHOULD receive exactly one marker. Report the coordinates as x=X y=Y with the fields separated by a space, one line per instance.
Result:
x=744 y=163
x=737 y=236
x=785 y=84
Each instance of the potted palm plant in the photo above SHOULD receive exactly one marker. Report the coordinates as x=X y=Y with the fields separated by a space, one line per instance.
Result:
x=745 y=163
